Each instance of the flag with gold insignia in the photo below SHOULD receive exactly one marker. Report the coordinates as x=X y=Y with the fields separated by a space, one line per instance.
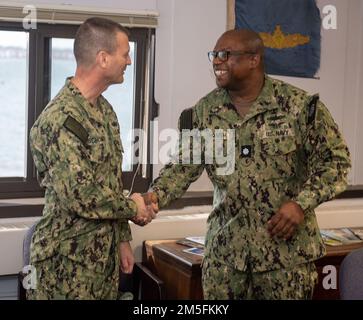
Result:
x=290 y=30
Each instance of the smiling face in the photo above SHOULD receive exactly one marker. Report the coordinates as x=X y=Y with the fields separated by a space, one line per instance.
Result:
x=232 y=73
x=118 y=60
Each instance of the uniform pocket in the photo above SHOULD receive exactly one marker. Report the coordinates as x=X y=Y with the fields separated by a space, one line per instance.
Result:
x=98 y=152
x=277 y=157
x=90 y=249
x=278 y=146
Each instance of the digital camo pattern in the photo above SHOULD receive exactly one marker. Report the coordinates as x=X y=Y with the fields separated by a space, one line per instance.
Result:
x=224 y=283
x=85 y=214
x=59 y=278
x=287 y=148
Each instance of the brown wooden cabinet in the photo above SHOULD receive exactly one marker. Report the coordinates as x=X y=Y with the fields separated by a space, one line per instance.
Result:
x=181 y=272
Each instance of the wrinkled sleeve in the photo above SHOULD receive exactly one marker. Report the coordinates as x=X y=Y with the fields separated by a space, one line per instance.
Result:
x=72 y=178
x=124 y=231
x=176 y=176
x=328 y=160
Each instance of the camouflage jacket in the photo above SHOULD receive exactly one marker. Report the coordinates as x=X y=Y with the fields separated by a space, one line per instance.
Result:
x=77 y=151
x=287 y=147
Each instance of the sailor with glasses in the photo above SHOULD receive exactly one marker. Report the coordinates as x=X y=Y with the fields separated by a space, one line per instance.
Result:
x=263 y=237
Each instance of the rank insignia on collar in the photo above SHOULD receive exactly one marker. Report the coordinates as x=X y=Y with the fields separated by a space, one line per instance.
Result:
x=246 y=151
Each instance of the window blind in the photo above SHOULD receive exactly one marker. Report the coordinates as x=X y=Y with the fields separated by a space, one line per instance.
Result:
x=69 y=14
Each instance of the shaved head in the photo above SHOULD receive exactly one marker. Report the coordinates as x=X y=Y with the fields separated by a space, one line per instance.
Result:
x=241 y=62
x=250 y=40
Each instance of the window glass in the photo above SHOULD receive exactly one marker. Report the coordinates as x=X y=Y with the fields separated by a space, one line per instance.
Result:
x=13 y=106
x=63 y=63
x=121 y=96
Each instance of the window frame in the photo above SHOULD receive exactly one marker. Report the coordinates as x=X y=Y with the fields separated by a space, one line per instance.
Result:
x=39 y=71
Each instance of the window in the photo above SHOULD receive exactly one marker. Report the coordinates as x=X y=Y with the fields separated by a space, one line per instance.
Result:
x=121 y=96
x=13 y=78
x=33 y=67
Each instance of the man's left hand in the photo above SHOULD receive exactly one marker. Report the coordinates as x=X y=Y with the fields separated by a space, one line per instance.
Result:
x=284 y=223
x=126 y=257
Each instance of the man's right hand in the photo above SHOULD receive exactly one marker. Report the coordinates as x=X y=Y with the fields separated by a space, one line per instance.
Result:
x=151 y=199
x=144 y=213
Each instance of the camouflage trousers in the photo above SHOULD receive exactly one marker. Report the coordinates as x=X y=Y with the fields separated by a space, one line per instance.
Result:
x=225 y=283
x=60 y=278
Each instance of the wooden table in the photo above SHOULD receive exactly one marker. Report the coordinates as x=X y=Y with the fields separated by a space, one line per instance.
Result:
x=181 y=272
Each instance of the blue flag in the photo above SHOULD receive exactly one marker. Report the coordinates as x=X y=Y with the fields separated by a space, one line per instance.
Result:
x=290 y=30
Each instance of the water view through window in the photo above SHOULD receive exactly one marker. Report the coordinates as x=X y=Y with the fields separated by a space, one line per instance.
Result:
x=13 y=102
x=121 y=96
x=13 y=97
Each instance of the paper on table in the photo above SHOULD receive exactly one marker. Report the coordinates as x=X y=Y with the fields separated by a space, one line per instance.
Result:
x=197 y=251
x=199 y=239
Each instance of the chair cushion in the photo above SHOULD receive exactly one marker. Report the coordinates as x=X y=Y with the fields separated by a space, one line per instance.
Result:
x=351 y=276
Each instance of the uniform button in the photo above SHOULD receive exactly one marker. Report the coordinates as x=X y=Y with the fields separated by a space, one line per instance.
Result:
x=245 y=151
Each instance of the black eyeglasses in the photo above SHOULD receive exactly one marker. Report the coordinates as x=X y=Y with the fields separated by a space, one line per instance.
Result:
x=224 y=54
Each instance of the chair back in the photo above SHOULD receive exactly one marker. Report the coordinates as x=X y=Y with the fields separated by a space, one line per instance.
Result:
x=26 y=260
x=351 y=276
x=26 y=244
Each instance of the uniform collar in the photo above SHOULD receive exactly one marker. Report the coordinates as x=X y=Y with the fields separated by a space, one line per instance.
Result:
x=75 y=92
x=265 y=101
x=92 y=111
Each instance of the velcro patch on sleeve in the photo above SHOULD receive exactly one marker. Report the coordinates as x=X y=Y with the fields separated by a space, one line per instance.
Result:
x=76 y=128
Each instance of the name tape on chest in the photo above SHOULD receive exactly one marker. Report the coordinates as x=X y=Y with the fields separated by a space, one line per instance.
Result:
x=282 y=130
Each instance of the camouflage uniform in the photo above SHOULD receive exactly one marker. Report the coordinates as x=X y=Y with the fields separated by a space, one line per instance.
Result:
x=223 y=282
x=287 y=148
x=78 y=154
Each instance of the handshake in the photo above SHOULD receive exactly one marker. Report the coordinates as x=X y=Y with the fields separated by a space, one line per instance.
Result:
x=147 y=207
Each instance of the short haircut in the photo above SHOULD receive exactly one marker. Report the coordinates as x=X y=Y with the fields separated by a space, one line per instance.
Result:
x=250 y=39
x=254 y=43
x=93 y=35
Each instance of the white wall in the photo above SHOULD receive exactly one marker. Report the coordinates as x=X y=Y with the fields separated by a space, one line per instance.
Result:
x=353 y=109
x=340 y=82
x=189 y=28
x=183 y=74
x=114 y=4
x=184 y=78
